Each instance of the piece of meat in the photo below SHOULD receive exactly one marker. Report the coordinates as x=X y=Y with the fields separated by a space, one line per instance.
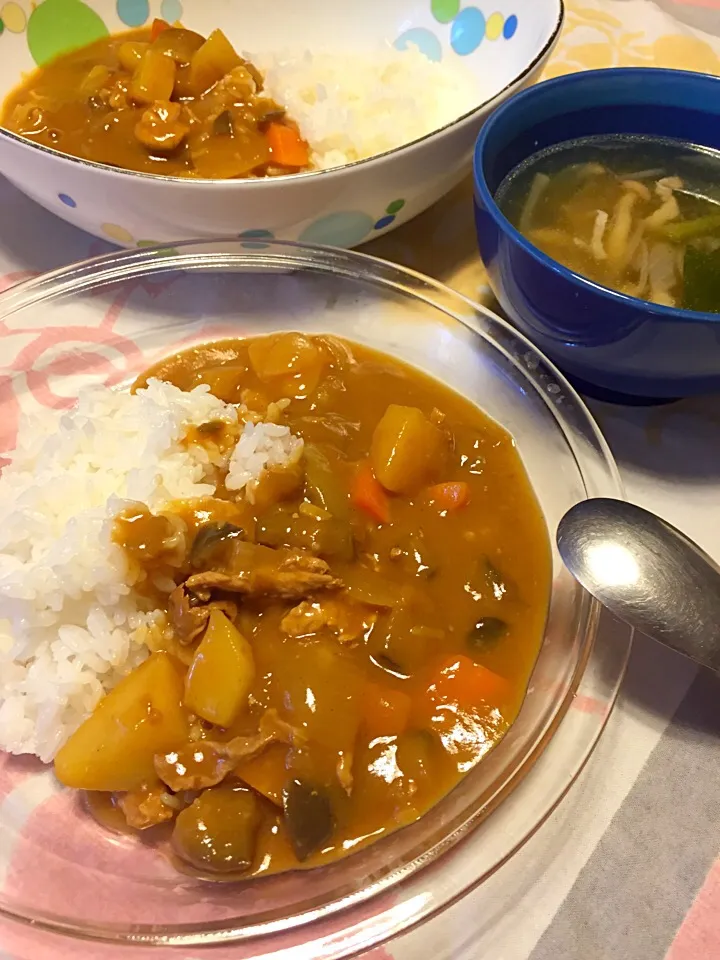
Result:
x=258 y=571
x=194 y=766
x=239 y=83
x=305 y=619
x=205 y=763
x=188 y=614
x=348 y=621
x=147 y=806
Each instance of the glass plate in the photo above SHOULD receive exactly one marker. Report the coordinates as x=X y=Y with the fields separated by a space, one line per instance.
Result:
x=107 y=319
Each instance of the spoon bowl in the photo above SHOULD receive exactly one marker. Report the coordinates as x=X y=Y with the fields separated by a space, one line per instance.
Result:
x=647 y=573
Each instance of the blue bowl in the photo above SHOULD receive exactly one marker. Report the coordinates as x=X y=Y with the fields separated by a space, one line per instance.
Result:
x=609 y=343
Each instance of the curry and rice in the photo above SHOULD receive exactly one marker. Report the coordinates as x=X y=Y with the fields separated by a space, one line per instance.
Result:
x=271 y=604
x=167 y=100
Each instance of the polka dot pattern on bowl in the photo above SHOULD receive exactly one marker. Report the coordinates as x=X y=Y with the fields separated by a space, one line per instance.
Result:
x=133 y=13
x=425 y=40
x=494 y=26
x=510 y=28
x=117 y=233
x=335 y=229
x=467 y=31
x=171 y=10
x=445 y=10
x=54 y=26
x=13 y=17
x=469 y=27
x=391 y=212
x=341 y=229
x=256 y=239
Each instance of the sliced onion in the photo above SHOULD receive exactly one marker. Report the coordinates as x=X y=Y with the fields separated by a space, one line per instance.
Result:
x=537 y=189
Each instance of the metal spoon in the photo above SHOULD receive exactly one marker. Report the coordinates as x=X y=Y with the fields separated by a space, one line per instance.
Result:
x=647 y=573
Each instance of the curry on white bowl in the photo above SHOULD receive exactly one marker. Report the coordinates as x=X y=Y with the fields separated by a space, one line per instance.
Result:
x=324 y=129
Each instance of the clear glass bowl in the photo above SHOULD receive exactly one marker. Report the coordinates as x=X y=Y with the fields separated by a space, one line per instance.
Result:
x=108 y=318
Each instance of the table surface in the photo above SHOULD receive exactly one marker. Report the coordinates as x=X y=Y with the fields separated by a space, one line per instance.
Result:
x=629 y=861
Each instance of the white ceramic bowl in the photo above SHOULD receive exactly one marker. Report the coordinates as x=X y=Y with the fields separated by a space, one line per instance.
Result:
x=502 y=43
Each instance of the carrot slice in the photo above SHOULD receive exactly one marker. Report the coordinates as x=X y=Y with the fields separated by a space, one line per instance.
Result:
x=266 y=773
x=386 y=712
x=449 y=496
x=368 y=495
x=460 y=681
x=158 y=27
x=287 y=146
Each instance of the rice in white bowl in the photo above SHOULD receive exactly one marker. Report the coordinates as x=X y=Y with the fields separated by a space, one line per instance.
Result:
x=71 y=624
x=356 y=105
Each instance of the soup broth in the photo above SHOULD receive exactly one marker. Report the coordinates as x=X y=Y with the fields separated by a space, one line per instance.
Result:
x=639 y=215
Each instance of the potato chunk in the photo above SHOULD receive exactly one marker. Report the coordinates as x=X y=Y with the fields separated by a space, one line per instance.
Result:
x=114 y=748
x=131 y=53
x=290 y=363
x=215 y=58
x=221 y=674
x=154 y=78
x=283 y=355
x=405 y=445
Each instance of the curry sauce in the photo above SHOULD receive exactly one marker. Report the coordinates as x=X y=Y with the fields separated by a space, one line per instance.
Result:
x=164 y=100
x=341 y=647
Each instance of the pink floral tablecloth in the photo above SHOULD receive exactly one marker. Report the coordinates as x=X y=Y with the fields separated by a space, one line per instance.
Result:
x=628 y=866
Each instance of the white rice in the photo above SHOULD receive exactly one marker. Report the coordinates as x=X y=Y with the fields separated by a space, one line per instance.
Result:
x=261 y=445
x=71 y=624
x=353 y=106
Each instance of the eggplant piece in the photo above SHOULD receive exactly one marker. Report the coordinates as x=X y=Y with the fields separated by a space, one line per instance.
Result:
x=255 y=74
x=407 y=634
x=178 y=43
x=269 y=111
x=308 y=817
x=284 y=526
x=97 y=102
x=414 y=757
x=328 y=428
x=211 y=428
x=364 y=585
x=223 y=125
x=218 y=831
x=486 y=633
x=495 y=580
x=322 y=485
x=389 y=666
x=487 y=583
x=208 y=538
